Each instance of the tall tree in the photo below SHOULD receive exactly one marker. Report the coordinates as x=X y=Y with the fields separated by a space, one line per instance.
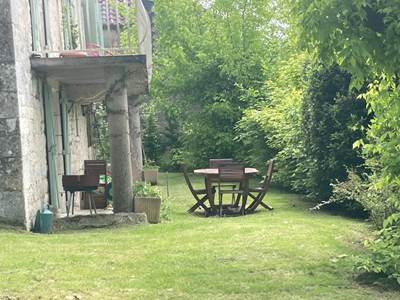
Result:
x=208 y=58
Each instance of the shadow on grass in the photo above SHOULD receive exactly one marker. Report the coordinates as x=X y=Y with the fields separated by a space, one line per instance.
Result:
x=227 y=212
x=4 y=226
x=378 y=281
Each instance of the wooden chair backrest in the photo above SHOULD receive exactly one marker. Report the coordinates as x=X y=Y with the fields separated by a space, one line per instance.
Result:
x=216 y=162
x=232 y=172
x=98 y=167
x=77 y=182
x=187 y=179
x=268 y=175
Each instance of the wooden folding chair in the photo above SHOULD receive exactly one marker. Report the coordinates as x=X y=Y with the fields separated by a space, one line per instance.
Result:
x=234 y=173
x=80 y=183
x=216 y=163
x=200 y=202
x=261 y=191
x=98 y=167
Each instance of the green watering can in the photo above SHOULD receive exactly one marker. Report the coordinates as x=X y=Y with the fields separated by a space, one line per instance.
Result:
x=43 y=221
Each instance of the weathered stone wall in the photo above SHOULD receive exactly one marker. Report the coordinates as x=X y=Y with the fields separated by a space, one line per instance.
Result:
x=23 y=154
x=23 y=160
x=31 y=115
x=12 y=204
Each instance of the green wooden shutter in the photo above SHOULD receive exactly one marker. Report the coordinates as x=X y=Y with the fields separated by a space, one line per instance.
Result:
x=47 y=32
x=35 y=25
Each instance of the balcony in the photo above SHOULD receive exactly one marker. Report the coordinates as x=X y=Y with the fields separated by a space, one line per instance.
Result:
x=89 y=68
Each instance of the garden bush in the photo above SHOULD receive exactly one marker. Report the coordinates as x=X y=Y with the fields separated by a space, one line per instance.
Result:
x=360 y=192
x=332 y=121
x=384 y=255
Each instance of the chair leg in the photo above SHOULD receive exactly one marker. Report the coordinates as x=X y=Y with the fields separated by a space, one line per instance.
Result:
x=73 y=203
x=250 y=208
x=238 y=197
x=237 y=201
x=258 y=201
x=220 y=204
x=93 y=203
x=67 y=204
x=243 y=208
x=90 y=203
x=266 y=206
x=233 y=195
x=199 y=203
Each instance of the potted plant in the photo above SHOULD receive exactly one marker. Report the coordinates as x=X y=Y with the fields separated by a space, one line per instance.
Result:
x=147 y=199
x=150 y=172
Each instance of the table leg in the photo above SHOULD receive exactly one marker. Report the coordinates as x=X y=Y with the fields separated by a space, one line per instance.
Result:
x=245 y=195
x=210 y=193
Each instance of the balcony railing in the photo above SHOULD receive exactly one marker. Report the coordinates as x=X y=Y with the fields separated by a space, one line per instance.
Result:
x=132 y=37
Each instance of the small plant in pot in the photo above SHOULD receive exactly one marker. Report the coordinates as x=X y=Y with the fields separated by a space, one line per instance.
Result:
x=147 y=199
x=150 y=172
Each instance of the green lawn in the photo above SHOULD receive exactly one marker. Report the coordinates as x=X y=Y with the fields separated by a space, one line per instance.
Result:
x=289 y=253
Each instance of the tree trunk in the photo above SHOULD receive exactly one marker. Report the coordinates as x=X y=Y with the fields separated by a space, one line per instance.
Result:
x=136 y=139
x=118 y=119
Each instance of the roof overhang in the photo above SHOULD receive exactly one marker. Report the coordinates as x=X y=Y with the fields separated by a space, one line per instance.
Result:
x=95 y=73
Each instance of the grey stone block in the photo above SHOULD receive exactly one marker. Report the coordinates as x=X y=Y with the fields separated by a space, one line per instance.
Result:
x=8 y=126
x=8 y=79
x=6 y=33
x=8 y=105
x=10 y=146
x=12 y=207
x=10 y=174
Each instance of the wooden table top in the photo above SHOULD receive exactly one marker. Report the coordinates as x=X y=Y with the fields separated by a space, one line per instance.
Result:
x=214 y=171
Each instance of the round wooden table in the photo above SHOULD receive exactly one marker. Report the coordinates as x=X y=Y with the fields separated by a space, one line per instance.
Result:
x=214 y=171
x=211 y=175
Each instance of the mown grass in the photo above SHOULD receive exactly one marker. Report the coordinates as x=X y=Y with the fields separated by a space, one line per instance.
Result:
x=289 y=253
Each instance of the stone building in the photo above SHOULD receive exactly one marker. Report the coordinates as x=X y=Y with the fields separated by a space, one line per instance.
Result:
x=46 y=87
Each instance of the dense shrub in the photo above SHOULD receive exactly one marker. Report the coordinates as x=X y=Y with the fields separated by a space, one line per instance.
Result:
x=272 y=129
x=384 y=256
x=210 y=65
x=332 y=118
x=360 y=191
x=362 y=37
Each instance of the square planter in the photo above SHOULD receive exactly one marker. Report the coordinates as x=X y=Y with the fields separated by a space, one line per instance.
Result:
x=149 y=205
x=151 y=176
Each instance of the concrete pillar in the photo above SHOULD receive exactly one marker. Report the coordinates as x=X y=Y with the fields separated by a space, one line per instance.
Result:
x=136 y=138
x=118 y=119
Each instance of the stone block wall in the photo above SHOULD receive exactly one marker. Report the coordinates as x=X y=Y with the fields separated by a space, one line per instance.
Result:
x=12 y=206
x=24 y=186
x=32 y=156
